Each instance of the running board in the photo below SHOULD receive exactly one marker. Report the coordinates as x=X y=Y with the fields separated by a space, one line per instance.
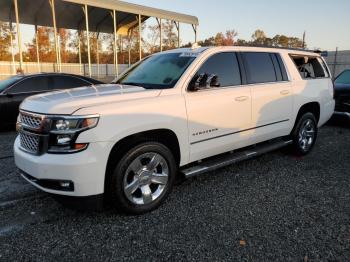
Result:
x=223 y=160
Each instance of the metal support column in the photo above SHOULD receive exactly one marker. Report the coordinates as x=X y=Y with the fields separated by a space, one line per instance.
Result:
x=195 y=29
x=52 y=3
x=88 y=37
x=19 y=38
x=160 y=25
x=59 y=53
x=12 y=51
x=79 y=50
x=177 y=25
x=129 y=46
x=140 y=37
x=37 y=48
x=116 y=72
x=97 y=56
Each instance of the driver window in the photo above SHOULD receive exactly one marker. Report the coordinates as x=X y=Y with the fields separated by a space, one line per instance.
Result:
x=223 y=68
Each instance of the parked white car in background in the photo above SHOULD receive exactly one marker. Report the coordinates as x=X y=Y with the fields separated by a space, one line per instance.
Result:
x=182 y=111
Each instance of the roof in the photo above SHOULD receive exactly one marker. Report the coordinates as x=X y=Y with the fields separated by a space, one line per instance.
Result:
x=255 y=49
x=70 y=15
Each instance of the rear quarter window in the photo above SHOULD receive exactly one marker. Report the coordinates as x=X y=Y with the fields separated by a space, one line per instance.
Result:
x=310 y=67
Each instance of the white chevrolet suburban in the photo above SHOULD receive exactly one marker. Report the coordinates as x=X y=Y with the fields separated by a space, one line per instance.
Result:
x=180 y=112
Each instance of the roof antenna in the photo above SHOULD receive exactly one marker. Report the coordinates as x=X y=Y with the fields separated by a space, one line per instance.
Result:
x=195 y=46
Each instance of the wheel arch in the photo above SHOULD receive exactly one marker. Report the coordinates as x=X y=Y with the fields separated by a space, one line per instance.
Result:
x=163 y=136
x=312 y=107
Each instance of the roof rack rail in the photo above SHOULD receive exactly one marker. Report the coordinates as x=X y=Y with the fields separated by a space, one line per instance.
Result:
x=278 y=47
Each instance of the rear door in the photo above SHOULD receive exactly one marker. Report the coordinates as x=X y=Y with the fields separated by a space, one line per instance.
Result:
x=66 y=82
x=272 y=100
x=21 y=90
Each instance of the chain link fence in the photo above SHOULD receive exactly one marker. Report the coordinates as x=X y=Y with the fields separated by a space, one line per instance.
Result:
x=338 y=61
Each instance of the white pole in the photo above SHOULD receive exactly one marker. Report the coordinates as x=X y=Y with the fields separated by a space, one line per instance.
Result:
x=37 y=48
x=88 y=37
x=79 y=50
x=129 y=46
x=178 y=34
x=59 y=53
x=160 y=34
x=140 y=37
x=19 y=39
x=52 y=3
x=97 y=57
x=12 y=51
x=116 y=66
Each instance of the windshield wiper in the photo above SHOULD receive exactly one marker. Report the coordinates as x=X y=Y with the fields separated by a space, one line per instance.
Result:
x=131 y=84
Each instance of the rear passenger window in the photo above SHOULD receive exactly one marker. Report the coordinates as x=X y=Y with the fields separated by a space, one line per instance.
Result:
x=66 y=82
x=225 y=66
x=310 y=67
x=260 y=68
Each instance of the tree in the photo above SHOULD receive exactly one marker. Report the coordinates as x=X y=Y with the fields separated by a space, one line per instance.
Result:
x=259 y=37
x=5 y=42
x=229 y=39
x=46 y=49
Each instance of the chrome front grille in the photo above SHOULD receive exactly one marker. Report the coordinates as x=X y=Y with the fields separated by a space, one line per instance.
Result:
x=30 y=142
x=31 y=120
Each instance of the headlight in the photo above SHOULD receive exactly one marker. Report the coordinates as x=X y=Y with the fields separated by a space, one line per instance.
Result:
x=64 y=132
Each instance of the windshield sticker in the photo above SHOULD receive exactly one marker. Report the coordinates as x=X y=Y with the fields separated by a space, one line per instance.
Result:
x=188 y=54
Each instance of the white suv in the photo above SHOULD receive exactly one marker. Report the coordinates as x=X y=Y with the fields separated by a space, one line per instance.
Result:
x=183 y=111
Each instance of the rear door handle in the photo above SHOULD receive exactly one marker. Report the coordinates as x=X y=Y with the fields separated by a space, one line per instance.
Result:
x=284 y=92
x=241 y=98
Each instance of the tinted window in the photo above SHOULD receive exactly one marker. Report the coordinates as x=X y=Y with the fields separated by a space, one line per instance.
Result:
x=225 y=66
x=282 y=67
x=259 y=68
x=8 y=82
x=66 y=82
x=343 y=78
x=277 y=67
x=32 y=84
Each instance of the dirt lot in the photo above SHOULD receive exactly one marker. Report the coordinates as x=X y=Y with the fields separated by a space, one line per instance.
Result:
x=273 y=208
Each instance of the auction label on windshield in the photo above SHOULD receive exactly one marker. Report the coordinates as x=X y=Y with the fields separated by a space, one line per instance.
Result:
x=188 y=54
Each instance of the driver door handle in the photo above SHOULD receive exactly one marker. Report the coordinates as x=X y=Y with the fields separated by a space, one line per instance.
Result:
x=241 y=98
x=284 y=92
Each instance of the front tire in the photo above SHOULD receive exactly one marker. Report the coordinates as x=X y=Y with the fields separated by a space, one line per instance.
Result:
x=304 y=134
x=143 y=178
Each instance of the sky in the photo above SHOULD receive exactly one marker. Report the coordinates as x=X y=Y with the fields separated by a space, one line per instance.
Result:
x=327 y=23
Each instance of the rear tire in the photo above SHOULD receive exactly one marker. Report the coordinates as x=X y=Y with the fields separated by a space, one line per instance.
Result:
x=143 y=178
x=304 y=134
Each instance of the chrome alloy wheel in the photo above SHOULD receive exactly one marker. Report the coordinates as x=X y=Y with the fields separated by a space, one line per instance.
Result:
x=306 y=134
x=146 y=178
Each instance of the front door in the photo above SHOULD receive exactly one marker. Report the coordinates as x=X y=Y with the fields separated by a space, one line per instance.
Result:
x=218 y=116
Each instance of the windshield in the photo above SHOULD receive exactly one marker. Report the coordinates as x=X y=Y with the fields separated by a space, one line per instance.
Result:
x=159 y=71
x=343 y=78
x=8 y=82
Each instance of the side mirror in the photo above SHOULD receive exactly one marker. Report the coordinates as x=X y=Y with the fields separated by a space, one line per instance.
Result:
x=212 y=81
x=197 y=82
x=203 y=81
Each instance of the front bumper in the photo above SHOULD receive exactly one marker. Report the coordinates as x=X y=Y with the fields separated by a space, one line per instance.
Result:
x=85 y=170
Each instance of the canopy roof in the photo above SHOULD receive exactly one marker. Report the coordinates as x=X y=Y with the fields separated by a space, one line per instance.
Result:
x=70 y=15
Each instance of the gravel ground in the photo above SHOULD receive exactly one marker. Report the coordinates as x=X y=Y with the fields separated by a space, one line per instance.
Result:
x=273 y=208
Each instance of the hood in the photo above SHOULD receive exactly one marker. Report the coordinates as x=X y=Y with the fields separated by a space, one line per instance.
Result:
x=70 y=100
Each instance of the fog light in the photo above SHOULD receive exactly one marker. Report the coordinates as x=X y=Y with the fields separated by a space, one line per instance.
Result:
x=63 y=139
x=65 y=184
